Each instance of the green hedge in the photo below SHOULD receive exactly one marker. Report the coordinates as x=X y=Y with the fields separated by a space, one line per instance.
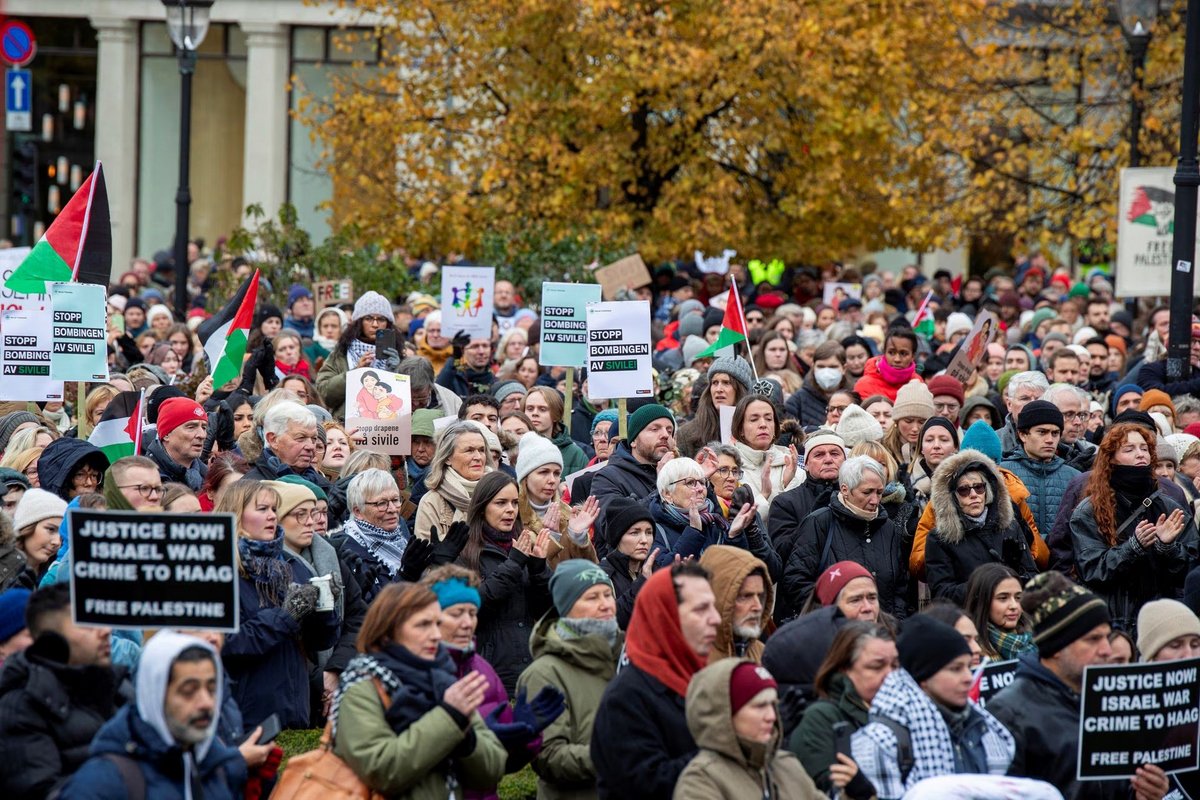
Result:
x=518 y=786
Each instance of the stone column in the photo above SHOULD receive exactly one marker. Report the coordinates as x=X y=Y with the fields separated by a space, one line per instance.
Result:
x=265 y=168
x=116 y=130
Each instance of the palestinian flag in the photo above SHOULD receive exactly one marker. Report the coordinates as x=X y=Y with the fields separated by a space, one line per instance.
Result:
x=224 y=334
x=733 y=326
x=76 y=247
x=119 y=431
x=923 y=322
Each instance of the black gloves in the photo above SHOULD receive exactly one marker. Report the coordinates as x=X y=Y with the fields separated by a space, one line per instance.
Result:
x=266 y=365
x=460 y=343
x=387 y=358
x=860 y=787
x=544 y=709
x=220 y=431
x=445 y=551
x=418 y=555
x=301 y=600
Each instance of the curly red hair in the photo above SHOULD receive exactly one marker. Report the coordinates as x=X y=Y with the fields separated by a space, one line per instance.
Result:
x=1099 y=488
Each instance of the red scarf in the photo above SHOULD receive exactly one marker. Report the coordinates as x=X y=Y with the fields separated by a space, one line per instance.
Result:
x=654 y=641
x=300 y=368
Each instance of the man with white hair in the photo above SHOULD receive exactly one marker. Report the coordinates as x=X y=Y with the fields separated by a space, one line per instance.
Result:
x=1023 y=388
x=291 y=433
x=1074 y=404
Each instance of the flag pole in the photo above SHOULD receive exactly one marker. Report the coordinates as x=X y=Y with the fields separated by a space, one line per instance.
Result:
x=737 y=298
x=141 y=415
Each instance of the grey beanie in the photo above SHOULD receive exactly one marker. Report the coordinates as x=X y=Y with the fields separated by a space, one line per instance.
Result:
x=735 y=367
x=10 y=422
x=691 y=324
x=692 y=346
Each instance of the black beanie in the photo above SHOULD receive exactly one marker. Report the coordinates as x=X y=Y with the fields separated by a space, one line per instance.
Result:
x=622 y=514
x=1039 y=412
x=1137 y=418
x=939 y=422
x=927 y=646
x=160 y=396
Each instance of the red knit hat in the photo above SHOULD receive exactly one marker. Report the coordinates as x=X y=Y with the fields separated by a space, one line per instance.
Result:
x=745 y=683
x=176 y=411
x=834 y=579
x=945 y=385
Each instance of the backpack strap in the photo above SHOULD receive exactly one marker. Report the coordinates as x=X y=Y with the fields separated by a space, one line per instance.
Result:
x=904 y=748
x=1137 y=513
x=131 y=775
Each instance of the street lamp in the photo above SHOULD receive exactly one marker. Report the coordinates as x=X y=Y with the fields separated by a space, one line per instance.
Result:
x=187 y=24
x=1137 y=21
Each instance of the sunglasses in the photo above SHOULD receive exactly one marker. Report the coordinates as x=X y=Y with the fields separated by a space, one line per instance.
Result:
x=973 y=488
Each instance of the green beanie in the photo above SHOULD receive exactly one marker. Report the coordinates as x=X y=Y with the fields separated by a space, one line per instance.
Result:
x=317 y=491
x=571 y=579
x=639 y=419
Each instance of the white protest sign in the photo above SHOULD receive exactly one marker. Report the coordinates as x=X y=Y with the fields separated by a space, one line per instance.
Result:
x=80 y=314
x=618 y=350
x=25 y=357
x=10 y=259
x=726 y=414
x=467 y=301
x=1146 y=232
x=973 y=349
x=379 y=405
x=564 y=322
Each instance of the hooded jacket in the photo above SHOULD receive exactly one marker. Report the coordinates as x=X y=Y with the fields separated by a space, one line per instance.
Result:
x=579 y=667
x=974 y=402
x=142 y=734
x=983 y=745
x=1080 y=454
x=62 y=458
x=957 y=546
x=727 y=766
x=1046 y=481
x=1042 y=714
x=729 y=567
x=832 y=534
x=49 y=714
x=573 y=455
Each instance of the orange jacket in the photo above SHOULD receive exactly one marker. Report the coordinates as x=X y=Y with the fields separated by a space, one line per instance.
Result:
x=1019 y=494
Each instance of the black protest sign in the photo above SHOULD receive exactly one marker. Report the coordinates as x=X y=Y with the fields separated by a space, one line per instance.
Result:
x=149 y=570
x=1135 y=714
x=993 y=677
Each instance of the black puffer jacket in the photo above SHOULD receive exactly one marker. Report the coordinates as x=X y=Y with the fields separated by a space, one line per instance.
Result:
x=1126 y=574
x=49 y=713
x=834 y=534
x=625 y=588
x=623 y=476
x=62 y=458
x=515 y=593
x=1042 y=714
x=807 y=404
x=788 y=511
x=957 y=545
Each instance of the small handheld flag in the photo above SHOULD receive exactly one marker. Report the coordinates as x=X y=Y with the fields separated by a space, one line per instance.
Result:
x=224 y=335
x=119 y=431
x=733 y=325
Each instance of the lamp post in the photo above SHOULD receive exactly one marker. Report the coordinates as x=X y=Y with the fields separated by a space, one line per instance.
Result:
x=1137 y=19
x=187 y=23
x=1187 y=179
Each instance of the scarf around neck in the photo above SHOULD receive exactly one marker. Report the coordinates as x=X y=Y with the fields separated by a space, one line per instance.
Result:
x=896 y=377
x=861 y=513
x=501 y=539
x=456 y=489
x=606 y=629
x=1010 y=644
x=266 y=567
x=387 y=546
x=1134 y=483
x=356 y=350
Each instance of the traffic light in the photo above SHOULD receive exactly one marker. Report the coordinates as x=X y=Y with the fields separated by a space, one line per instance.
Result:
x=25 y=176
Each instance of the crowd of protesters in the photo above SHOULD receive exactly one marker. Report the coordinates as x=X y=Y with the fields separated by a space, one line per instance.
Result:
x=637 y=607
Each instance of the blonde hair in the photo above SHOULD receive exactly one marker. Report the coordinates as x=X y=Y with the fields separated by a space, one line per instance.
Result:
x=881 y=455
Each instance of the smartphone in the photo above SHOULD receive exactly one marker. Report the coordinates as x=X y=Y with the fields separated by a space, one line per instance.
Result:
x=118 y=321
x=385 y=339
x=270 y=729
x=841 y=735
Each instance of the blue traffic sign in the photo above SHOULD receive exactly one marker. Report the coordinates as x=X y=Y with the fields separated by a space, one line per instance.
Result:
x=17 y=45
x=18 y=91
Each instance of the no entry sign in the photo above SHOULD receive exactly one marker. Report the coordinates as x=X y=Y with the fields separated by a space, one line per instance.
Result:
x=17 y=45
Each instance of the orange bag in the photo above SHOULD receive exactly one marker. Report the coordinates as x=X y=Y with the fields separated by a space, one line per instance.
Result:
x=321 y=775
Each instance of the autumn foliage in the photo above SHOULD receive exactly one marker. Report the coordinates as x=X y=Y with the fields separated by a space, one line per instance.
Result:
x=801 y=130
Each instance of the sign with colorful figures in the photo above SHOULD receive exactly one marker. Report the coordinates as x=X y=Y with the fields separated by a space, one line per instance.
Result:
x=467 y=301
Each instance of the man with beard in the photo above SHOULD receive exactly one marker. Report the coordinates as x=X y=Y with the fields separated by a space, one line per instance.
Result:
x=167 y=745
x=632 y=468
x=745 y=596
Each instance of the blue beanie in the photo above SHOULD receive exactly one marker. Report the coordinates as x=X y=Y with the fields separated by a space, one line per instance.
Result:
x=12 y=612
x=1124 y=388
x=607 y=415
x=453 y=591
x=980 y=436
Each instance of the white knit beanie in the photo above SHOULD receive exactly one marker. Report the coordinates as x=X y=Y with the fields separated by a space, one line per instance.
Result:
x=957 y=322
x=36 y=505
x=822 y=436
x=857 y=426
x=913 y=399
x=371 y=303
x=536 y=451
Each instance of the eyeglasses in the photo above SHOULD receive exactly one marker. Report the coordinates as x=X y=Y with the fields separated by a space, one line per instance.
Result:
x=691 y=483
x=1076 y=415
x=376 y=318
x=950 y=408
x=145 y=490
x=836 y=409
x=729 y=472
x=380 y=505
x=87 y=476
x=304 y=516
x=972 y=488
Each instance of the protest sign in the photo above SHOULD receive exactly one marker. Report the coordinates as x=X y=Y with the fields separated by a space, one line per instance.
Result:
x=333 y=293
x=1135 y=714
x=150 y=570
x=80 y=332
x=832 y=294
x=467 y=301
x=10 y=259
x=1146 y=232
x=379 y=405
x=973 y=350
x=25 y=357
x=564 y=323
x=618 y=350
x=628 y=273
x=992 y=677
x=726 y=415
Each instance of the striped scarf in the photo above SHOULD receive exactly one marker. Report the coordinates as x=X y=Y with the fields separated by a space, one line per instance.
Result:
x=387 y=546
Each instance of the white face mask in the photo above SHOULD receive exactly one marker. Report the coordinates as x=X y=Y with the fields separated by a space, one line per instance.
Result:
x=827 y=377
